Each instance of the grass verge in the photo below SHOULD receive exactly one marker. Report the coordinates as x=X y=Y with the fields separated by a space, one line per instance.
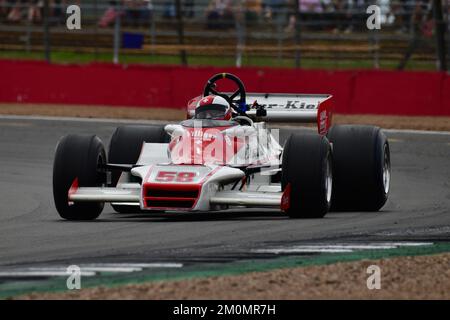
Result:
x=218 y=61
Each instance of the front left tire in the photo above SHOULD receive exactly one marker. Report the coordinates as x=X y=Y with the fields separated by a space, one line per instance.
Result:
x=78 y=160
x=307 y=171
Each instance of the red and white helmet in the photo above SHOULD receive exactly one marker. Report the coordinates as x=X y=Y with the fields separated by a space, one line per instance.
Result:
x=213 y=107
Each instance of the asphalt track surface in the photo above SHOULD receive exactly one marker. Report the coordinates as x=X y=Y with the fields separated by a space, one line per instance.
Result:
x=32 y=232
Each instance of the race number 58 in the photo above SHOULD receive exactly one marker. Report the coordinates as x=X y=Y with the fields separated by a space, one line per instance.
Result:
x=169 y=176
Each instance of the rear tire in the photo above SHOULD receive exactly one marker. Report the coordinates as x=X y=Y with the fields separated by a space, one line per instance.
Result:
x=125 y=148
x=307 y=168
x=78 y=157
x=361 y=168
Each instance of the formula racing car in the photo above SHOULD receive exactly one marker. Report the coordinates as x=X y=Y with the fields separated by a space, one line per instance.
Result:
x=224 y=156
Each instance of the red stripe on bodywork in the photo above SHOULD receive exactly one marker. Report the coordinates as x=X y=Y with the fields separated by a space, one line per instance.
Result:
x=148 y=174
x=148 y=186
x=73 y=187
x=286 y=198
x=209 y=175
x=161 y=187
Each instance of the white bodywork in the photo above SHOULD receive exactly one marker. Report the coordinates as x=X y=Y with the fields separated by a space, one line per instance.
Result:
x=215 y=181
x=160 y=173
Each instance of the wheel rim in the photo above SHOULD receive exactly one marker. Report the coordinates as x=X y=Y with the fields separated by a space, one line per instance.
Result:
x=328 y=180
x=386 y=169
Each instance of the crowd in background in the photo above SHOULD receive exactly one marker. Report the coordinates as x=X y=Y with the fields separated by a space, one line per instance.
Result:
x=31 y=10
x=335 y=15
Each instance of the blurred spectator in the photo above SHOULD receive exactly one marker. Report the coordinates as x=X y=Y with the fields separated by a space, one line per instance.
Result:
x=387 y=16
x=310 y=6
x=58 y=10
x=15 y=13
x=345 y=15
x=137 y=12
x=219 y=14
x=253 y=10
x=355 y=14
x=58 y=7
x=448 y=16
x=330 y=5
x=110 y=15
x=422 y=17
x=308 y=9
x=273 y=8
x=188 y=8
x=409 y=15
x=3 y=8
x=169 y=10
x=332 y=14
x=35 y=10
x=402 y=10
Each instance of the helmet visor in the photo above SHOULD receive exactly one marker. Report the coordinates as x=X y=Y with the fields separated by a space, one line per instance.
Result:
x=212 y=111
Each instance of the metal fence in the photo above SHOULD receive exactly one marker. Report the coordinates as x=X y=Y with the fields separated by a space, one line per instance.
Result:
x=301 y=33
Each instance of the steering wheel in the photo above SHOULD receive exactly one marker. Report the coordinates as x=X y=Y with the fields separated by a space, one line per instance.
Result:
x=240 y=92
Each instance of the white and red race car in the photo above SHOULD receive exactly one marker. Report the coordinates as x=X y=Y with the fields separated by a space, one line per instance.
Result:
x=209 y=165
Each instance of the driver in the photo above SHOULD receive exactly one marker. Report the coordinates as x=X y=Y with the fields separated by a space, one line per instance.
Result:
x=213 y=107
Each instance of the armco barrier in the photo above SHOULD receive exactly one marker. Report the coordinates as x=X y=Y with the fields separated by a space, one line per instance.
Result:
x=358 y=92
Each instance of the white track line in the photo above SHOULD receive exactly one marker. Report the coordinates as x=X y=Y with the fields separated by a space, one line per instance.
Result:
x=11 y=274
x=346 y=248
x=131 y=121
x=135 y=265
x=410 y=131
x=340 y=248
x=86 y=270
x=302 y=250
x=407 y=244
x=110 y=267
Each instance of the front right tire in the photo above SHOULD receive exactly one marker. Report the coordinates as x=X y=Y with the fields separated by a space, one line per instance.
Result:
x=361 y=166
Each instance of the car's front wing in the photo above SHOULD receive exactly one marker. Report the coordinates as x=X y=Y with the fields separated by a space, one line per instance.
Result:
x=131 y=195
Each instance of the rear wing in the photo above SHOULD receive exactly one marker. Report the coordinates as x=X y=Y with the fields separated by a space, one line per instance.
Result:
x=299 y=108
x=305 y=108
